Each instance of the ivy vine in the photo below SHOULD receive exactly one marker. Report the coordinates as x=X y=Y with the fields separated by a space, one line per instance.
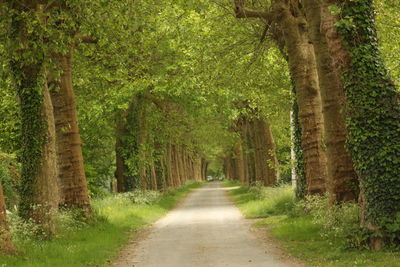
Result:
x=373 y=114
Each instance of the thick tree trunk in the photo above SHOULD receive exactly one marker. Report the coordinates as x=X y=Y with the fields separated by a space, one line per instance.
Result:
x=342 y=179
x=373 y=111
x=47 y=192
x=265 y=151
x=6 y=245
x=303 y=71
x=72 y=178
x=38 y=189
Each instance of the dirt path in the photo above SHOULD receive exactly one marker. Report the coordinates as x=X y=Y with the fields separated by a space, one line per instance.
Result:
x=206 y=230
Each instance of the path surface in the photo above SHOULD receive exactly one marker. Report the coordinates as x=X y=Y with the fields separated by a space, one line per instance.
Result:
x=205 y=230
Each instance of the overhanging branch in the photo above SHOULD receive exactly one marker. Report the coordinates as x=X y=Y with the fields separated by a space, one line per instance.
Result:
x=242 y=12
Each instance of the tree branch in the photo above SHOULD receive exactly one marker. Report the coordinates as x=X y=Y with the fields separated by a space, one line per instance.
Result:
x=242 y=12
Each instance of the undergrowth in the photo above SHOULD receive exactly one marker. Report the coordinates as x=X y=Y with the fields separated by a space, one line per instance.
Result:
x=94 y=243
x=311 y=230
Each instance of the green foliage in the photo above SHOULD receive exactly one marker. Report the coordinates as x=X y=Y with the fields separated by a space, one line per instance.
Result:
x=311 y=230
x=374 y=111
x=301 y=182
x=261 y=202
x=339 y=223
x=387 y=21
x=9 y=179
x=82 y=244
x=142 y=197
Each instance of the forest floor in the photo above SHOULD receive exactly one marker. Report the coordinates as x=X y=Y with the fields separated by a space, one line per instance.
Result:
x=206 y=229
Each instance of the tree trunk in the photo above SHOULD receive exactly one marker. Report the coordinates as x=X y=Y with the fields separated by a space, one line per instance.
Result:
x=204 y=166
x=72 y=178
x=249 y=139
x=6 y=245
x=267 y=164
x=239 y=164
x=373 y=111
x=170 y=167
x=342 y=179
x=38 y=189
x=303 y=71
x=153 y=177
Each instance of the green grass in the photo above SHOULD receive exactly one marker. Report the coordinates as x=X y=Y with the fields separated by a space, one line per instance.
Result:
x=299 y=235
x=97 y=243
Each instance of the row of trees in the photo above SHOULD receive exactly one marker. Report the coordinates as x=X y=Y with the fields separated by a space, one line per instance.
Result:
x=253 y=158
x=40 y=41
x=162 y=88
x=149 y=114
x=348 y=106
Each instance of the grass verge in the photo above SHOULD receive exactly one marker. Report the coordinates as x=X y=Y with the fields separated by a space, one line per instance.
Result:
x=96 y=243
x=299 y=234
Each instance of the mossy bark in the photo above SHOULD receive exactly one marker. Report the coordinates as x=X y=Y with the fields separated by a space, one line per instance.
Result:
x=38 y=190
x=373 y=110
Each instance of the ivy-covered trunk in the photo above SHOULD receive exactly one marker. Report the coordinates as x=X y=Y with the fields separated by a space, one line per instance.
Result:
x=39 y=186
x=6 y=245
x=342 y=179
x=38 y=189
x=303 y=71
x=373 y=110
x=298 y=154
x=72 y=178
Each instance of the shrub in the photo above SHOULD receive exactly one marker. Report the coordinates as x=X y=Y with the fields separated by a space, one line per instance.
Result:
x=339 y=222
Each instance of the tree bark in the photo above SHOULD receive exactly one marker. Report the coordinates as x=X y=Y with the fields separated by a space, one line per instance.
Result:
x=72 y=178
x=239 y=164
x=38 y=189
x=372 y=109
x=342 y=179
x=47 y=192
x=303 y=71
x=265 y=151
x=6 y=245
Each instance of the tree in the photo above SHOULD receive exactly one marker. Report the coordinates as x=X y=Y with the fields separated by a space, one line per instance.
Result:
x=303 y=71
x=71 y=177
x=39 y=192
x=373 y=111
x=343 y=180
